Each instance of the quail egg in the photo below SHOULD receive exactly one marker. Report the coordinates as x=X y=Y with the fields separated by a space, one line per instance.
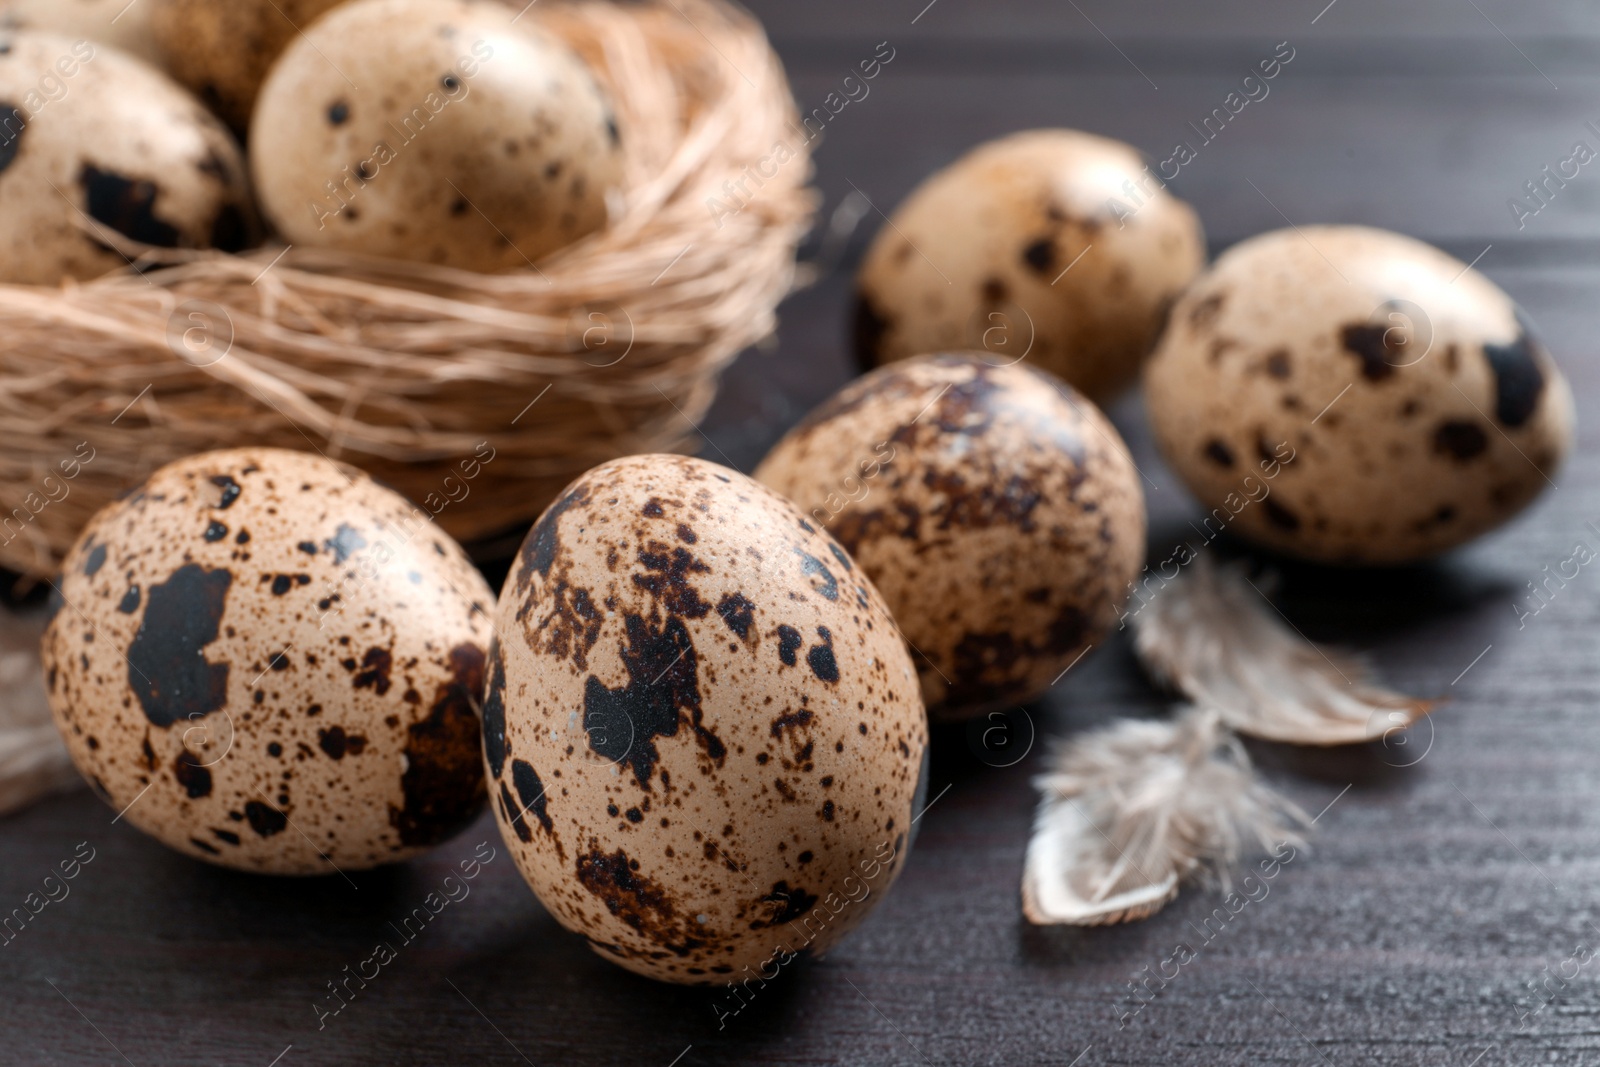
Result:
x=437 y=131
x=1385 y=401
x=704 y=738
x=222 y=49
x=1054 y=245
x=998 y=511
x=90 y=135
x=267 y=661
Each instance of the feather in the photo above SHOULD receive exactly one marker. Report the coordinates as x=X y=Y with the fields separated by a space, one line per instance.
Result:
x=33 y=760
x=1133 y=809
x=1216 y=638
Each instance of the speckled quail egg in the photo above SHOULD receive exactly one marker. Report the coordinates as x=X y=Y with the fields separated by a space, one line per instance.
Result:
x=222 y=49
x=1054 y=245
x=703 y=736
x=114 y=22
x=90 y=133
x=997 y=510
x=1349 y=395
x=268 y=661
x=434 y=130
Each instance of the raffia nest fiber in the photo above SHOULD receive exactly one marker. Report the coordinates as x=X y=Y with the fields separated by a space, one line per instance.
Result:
x=423 y=375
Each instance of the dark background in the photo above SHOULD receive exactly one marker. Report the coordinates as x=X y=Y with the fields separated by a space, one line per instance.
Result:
x=1456 y=870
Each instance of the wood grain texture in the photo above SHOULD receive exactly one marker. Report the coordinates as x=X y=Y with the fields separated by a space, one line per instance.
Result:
x=1436 y=892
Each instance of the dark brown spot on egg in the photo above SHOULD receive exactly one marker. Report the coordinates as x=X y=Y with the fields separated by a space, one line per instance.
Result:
x=1040 y=255
x=215 y=532
x=515 y=817
x=1277 y=363
x=167 y=668
x=790 y=720
x=635 y=899
x=789 y=642
x=1374 y=346
x=531 y=794
x=821 y=658
x=13 y=124
x=94 y=561
x=130 y=601
x=495 y=745
x=263 y=819
x=127 y=205
x=738 y=613
x=668 y=579
x=229 y=488
x=784 y=905
x=335 y=742
x=1460 y=440
x=1519 y=382
x=1218 y=452
x=195 y=779
x=443 y=781
x=338 y=113
x=812 y=567
x=663 y=688
x=1280 y=516
x=995 y=291
x=375 y=667
x=543 y=541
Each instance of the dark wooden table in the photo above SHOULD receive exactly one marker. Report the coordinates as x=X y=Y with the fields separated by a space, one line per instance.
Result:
x=1453 y=888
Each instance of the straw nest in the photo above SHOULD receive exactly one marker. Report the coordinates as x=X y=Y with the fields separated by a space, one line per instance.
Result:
x=425 y=376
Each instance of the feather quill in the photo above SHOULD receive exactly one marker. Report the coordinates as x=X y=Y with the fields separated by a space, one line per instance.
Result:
x=1130 y=811
x=33 y=761
x=1216 y=638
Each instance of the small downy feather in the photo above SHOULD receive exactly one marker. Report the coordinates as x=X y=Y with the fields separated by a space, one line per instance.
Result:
x=1215 y=637
x=33 y=761
x=1133 y=809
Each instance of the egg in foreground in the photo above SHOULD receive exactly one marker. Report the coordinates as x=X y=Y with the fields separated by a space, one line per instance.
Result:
x=995 y=507
x=1349 y=395
x=438 y=131
x=267 y=661
x=89 y=135
x=703 y=736
x=1056 y=246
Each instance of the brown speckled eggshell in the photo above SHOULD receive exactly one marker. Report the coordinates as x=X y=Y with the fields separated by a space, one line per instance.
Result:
x=270 y=662
x=123 y=145
x=978 y=257
x=222 y=49
x=465 y=140
x=704 y=737
x=997 y=510
x=1349 y=395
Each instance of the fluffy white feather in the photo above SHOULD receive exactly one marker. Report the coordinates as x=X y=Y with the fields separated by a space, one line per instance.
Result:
x=33 y=761
x=1131 y=810
x=1218 y=640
